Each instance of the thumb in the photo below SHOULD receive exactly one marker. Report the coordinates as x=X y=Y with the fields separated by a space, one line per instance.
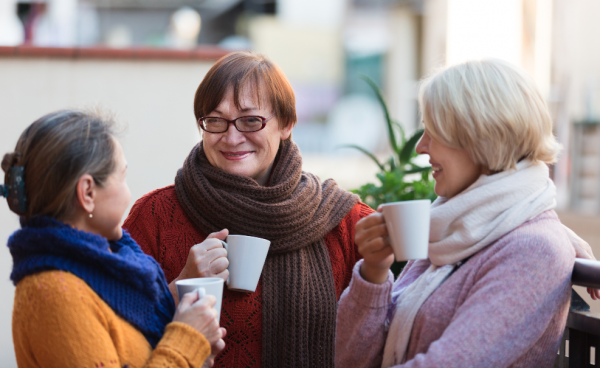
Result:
x=188 y=299
x=221 y=235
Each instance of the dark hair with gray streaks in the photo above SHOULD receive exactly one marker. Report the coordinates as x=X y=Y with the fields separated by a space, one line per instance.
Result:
x=56 y=150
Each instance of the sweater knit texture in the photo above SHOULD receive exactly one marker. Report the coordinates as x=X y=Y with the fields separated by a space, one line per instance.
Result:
x=505 y=307
x=59 y=321
x=294 y=212
x=128 y=280
x=461 y=226
x=162 y=228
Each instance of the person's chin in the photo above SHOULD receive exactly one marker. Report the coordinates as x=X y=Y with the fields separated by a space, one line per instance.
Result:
x=116 y=234
x=439 y=191
x=236 y=168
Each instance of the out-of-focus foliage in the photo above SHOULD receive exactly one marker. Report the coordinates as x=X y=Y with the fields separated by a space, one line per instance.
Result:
x=395 y=182
x=399 y=178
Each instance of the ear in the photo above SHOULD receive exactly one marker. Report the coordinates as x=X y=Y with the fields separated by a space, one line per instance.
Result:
x=285 y=132
x=86 y=193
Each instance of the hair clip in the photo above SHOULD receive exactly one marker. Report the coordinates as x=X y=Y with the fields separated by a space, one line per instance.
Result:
x=14 y=190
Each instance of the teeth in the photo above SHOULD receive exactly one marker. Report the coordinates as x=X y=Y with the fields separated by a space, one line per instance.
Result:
x=436 y=168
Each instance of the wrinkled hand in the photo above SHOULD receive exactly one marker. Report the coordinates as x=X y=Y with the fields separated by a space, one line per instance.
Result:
x=200 y=314
x=207 y=259
x=216 y=349
x=582 y=250
x=371 y=240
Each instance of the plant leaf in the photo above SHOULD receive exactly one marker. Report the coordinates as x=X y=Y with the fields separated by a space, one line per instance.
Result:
x=392 y=164
x=401 y=130
x=386 y=112
x=365 y=152
x=406 y=153
x=418 y=170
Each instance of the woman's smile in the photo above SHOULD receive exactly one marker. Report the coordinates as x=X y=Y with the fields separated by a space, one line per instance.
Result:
x=436 y=169
x=236 y=155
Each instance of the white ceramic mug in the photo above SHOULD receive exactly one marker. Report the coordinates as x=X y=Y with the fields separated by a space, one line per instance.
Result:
x=246 y=255
x=205 y=286
x=408 y=227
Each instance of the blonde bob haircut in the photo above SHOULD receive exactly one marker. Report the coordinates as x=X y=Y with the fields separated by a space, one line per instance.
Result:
x=491 y=109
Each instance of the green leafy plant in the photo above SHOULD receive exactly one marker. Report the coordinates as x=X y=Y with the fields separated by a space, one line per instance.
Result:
x=396 y=177
x=394 y=184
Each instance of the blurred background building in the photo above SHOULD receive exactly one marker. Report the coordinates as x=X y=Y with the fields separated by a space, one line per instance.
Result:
x=144 y=59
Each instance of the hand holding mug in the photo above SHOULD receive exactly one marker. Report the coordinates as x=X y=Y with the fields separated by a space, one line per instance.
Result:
x=207 y=259
x=215 y=350
x=371 y=239
x=199 y=313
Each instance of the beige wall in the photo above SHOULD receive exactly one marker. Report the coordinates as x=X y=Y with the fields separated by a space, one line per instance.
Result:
x=306 y=53
x=154 y=98
x=575 y=80
x=402 y=69
x=576 y=55
x=435 y=23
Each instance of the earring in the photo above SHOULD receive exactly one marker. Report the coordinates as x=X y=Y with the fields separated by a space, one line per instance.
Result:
x=91 y=215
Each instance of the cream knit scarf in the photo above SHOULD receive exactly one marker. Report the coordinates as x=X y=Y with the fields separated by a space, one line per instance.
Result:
x=462 y=226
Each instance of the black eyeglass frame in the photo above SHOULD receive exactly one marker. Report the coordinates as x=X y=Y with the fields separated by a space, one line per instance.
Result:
x=229 y=122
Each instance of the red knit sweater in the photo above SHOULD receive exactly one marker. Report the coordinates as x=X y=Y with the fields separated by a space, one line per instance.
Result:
x=160 y=226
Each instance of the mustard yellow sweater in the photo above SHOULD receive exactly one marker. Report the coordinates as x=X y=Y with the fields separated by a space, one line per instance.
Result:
x=59 y=321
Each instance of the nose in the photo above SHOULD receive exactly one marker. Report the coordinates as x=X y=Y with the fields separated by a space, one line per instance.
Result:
x=233 y=136
x=423 y=145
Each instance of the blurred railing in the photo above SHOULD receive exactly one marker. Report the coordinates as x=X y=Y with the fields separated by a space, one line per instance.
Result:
x=202 y=52
x=582 y=333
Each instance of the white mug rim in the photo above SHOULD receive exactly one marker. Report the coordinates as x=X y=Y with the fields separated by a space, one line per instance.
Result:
x=411 y=201
x=200 y=281
x=246 y=236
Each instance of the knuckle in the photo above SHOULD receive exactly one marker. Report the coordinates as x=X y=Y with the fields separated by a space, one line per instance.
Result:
x=201 y=308
x=198 y=249
x=209 y=300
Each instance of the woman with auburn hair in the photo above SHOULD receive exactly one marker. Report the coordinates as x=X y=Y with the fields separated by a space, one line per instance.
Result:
x=495 y=290
x=86 y=295
x=245 y=177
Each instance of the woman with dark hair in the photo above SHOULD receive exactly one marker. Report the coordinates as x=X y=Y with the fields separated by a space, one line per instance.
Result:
x=86 y=295
x=245 y=177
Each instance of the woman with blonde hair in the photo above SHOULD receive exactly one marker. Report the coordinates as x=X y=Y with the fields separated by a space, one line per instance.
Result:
x=495 y=290
x=86 y=295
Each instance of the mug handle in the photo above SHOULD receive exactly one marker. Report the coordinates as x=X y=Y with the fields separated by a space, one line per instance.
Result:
x=227 y=249
x=201 y=292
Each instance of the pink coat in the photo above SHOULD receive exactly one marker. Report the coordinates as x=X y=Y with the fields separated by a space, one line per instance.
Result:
x=505 y=307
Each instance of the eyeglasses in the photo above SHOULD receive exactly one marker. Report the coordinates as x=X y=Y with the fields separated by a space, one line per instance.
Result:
x=245 y=124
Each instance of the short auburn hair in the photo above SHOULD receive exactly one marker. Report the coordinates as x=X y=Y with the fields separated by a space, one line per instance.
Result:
x=241 y=70
x=493 y=110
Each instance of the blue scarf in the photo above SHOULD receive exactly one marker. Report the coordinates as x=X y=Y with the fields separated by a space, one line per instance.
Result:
x=129 y=281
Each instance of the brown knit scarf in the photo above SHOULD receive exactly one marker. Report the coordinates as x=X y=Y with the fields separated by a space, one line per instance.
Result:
x=295 y=213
